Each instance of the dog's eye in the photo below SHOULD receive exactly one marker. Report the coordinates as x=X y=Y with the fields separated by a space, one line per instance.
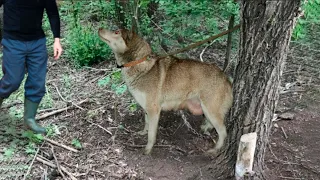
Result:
x=117 y=32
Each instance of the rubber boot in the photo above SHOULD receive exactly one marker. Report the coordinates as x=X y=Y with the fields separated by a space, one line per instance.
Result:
x=30 y=111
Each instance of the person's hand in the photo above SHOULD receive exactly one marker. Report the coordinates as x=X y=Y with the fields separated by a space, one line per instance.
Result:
x=57 y=49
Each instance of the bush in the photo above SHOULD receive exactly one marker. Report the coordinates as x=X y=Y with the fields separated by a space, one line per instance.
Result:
x=179 y=23
x=85 y=47
x=309 y=20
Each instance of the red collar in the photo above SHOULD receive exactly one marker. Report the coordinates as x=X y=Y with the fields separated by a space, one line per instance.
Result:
x=133 y=63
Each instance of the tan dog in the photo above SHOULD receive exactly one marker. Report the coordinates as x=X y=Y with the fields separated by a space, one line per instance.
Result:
x=170 y=84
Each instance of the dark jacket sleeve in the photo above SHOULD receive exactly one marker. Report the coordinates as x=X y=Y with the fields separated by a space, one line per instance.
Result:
x=54 y=18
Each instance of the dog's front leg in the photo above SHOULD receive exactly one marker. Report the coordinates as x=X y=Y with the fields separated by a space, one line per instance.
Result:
x=146 y=125
x=153 y=120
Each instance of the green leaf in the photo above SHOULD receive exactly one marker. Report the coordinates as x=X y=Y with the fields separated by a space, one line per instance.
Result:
x=105 y=81
x=133 y=107
x=8 y=152
x=121 y=127
x=121 y=89
x=76 y=143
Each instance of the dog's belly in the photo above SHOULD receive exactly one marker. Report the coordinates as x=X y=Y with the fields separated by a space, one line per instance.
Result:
x=193 y=105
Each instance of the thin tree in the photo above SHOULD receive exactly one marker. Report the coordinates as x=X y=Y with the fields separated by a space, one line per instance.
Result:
x=121 y=7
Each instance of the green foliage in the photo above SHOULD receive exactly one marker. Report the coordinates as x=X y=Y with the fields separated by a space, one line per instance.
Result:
x=8 y=152
x=47 y=101
x=184 y=22
x=76 y=143
x=30 y=148
x=133 y=107
x=82 y=43
x=36 y=138
x=174 y=24
x=85 y=47
x=308 y=21
x=114 y=81
x=47 y=30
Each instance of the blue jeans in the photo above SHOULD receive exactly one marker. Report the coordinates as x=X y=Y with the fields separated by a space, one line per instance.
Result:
x=19 y=56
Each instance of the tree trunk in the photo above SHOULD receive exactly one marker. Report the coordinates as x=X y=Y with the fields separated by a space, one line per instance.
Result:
x=266 y=28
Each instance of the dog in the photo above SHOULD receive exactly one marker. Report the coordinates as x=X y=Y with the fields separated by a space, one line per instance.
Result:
x=170 y=83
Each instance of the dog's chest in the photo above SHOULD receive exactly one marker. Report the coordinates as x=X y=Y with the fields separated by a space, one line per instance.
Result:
x=139 y=96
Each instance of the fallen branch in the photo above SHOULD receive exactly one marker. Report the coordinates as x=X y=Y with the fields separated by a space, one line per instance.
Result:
x=59 y=110
x=65 y=99
x=61 y=145
x=284 y=133
x=11 y=104
x=106 y=130
x=284 y=177
x=95 y=69
x=54 y=166
x=57 y=164
x=31 y=164
x=159 y=146
x=292 y=91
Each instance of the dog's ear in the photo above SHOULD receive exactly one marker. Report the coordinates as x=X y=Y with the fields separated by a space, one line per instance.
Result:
x=134 y=28
x=130 y=34
x=133 y=31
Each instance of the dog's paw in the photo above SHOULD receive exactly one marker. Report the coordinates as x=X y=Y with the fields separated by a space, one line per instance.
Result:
x=212 y=152
x=142 y=133
x=147 y=151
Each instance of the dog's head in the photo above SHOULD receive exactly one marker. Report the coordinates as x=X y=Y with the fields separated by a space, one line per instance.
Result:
x=125 y=44
x=115 y=39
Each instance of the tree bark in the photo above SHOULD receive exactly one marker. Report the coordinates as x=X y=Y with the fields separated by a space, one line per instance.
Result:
x=266 y=28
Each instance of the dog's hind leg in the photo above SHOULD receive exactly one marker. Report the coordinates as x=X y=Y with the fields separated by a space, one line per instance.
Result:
x=216 y=118
x=146 y=126
x=206 y=126
x=153 y=115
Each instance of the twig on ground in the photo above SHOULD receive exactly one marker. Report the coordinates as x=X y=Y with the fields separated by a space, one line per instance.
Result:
x=95 y=69
x=54 y=166
x=106 y=130
x=159 y=146
x=284 y=133
x=57 y=163
x=59 y=110
x=11 y=104
x=65 y=99
x=200 y=173
x=46 y=110
x=93 y=80
x=284 y=177
x=61 y=145
x=31 y=164
x=292 y=91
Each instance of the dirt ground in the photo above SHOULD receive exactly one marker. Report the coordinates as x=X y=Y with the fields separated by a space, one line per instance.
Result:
x=111 y=149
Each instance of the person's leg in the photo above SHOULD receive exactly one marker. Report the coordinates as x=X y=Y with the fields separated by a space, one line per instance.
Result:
x=13 y=67
x=36 y=63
